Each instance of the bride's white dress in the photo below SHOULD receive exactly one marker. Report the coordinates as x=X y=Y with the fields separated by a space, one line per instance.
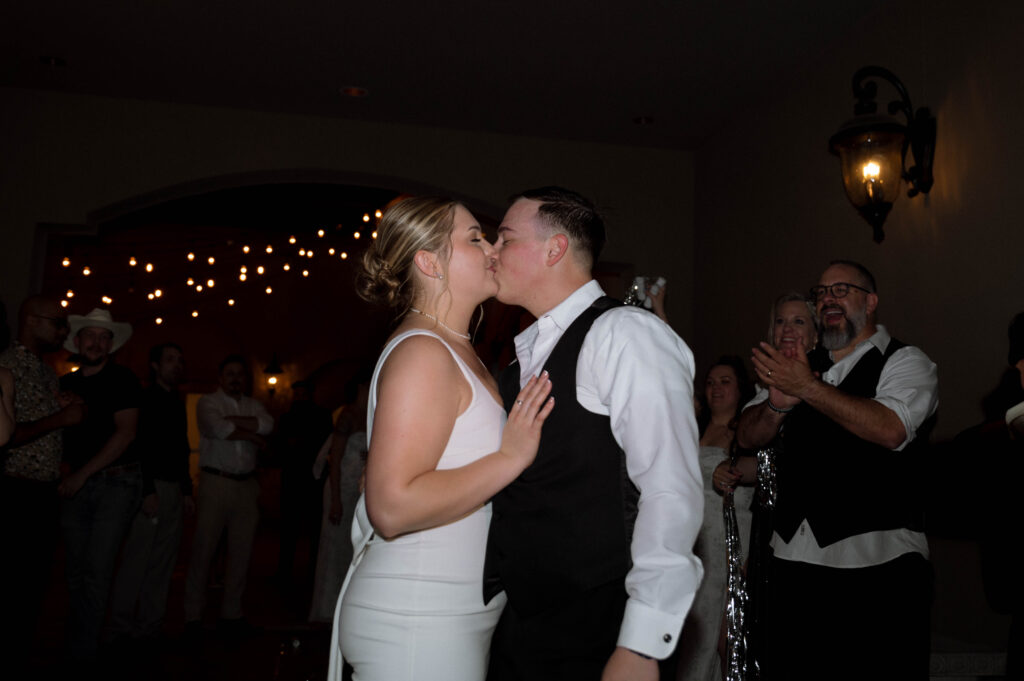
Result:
x=412 y=608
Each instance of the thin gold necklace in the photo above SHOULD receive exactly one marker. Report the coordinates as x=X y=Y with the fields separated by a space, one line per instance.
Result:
x=438 y=321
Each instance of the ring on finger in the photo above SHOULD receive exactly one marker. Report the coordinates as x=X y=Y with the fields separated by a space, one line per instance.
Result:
x=519 y=401
x=769 y=373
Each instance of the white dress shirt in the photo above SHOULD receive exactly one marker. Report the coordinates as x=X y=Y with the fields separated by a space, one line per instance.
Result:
x=909 y=386
x=633 y=368
x=215 y=450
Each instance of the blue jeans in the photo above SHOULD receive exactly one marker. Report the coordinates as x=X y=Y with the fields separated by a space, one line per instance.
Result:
x=94 y=522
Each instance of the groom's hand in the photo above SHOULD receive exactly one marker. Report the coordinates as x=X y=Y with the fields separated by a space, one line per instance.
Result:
x=625 y=665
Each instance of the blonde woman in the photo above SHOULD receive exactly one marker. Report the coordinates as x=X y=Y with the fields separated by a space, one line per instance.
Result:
x=439 y=449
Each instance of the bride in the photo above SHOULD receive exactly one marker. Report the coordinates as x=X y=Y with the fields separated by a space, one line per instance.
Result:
x=439 y=449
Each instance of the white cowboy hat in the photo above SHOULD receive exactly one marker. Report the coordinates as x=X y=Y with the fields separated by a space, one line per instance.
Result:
x=100 y=319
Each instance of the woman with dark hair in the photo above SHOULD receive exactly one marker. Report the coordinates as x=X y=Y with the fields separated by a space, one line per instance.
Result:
x=439 y=448
x=726 y=389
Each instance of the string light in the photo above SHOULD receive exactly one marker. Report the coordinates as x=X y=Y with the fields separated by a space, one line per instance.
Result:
x=151 y=296
x=158 y=293
x=66 y=262
x=366 y=217
x=269 y=290
x=199 y=288
x=286 y=267
x=191 y=257
x=159 y=320
x=344 y=255
x=231 y=301
x=320 y=233
x=195 y=313
x=377 y=214
x=63 y=303
x=374 y=235
x=302 y=251
x=211 y=260
x=309 y=254
x=149 y=267
x=190 y=281
x=241 y=277
x=270 y=249
x=86 y=271
x=330 y=251
x=107 y=300
x=245 y=249
x=243 y=269
x=272 y=380
x=132 y=262
x=305 y=273
x=291 y=240
x=259 y=270
x=70 y=294
x=356 y=235
x=210 y=283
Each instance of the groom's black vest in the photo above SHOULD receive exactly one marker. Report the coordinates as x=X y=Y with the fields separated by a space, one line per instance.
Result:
x=843 y=485
x=559 y=529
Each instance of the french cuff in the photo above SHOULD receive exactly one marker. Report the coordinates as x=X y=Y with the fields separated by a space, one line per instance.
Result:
x=648 y=631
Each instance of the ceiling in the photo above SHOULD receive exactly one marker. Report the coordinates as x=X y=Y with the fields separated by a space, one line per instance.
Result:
x=562 y=69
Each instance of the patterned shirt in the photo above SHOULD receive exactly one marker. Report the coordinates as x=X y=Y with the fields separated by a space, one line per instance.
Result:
x=35 y=397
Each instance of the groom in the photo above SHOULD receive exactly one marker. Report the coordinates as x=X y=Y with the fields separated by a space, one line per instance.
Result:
x=586 y=600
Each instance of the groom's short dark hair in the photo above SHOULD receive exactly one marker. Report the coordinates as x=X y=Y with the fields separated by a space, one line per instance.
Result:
x=573 y=213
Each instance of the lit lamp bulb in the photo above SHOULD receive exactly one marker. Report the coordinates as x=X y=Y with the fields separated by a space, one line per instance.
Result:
x=70 y=294
x=190 y=282
x=344 y=255
x=132 y=261
x=269 y=290
x=377 y=214
x=356 y=235
x=159 y=320
x=374 y=235
x=211 y=260
x=107 y=300
x=199 y=288
x=63 y=303
x=309 y=254
x=195 y=313
x=149 y=267
x=320 y=233
x=86 y=271
x=305 y=273
x=270 y=249
x=286 y=267
x=366 y=217
x=158 y=293
x=291 y=240
x=243 y=269
x=330 y=251
x=66 y=262
x=231 y=301
x=871 y=172
x=241 y=277
x=272 y=380
x=151 y=296
x=191 y=257
x=245 y=249
x=210 y=283
x=259 y=270
x=302 y=251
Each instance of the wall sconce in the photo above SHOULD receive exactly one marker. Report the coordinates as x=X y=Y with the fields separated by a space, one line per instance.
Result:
x=272 y=371
x=872 y=149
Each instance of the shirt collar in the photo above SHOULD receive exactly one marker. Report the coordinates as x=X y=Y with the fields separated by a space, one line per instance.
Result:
x=560 y=316
x=879 y=339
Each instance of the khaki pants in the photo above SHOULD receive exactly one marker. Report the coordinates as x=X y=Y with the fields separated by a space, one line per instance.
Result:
x=223 y=504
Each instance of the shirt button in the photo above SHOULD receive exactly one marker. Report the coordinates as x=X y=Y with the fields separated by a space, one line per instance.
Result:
x=667 y=638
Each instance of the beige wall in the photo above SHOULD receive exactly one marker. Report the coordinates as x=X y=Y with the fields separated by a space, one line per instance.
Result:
x=771 y=212
x=66 y=157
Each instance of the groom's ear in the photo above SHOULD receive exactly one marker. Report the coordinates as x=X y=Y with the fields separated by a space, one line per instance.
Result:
x=426 y=262
x=557 y=247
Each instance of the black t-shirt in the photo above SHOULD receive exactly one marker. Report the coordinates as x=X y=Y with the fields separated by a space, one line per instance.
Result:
x=113 y=389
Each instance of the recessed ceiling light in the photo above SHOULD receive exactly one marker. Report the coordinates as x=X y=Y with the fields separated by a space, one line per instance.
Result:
x=354 y=91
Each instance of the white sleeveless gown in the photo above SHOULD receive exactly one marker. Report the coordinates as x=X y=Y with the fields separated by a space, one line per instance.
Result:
x=412 y=608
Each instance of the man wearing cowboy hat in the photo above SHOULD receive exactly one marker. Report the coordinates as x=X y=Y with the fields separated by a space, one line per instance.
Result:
x=104 y=488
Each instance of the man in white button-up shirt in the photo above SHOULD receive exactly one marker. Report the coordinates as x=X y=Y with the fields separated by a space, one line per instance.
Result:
x=850 y=584
x=231 y=428
x=636 y=374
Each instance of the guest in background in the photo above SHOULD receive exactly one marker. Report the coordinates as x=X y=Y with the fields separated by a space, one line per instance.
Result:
x=727 y=388
x=300 y=433
x=232 y=428
x=151 y=550
x=29 y=505
x=792 y=327
x=103 y=490
x=344 y=454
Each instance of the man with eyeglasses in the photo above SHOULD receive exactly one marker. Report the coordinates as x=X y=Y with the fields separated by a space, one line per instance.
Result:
x=30 y=473
x=850 y=585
